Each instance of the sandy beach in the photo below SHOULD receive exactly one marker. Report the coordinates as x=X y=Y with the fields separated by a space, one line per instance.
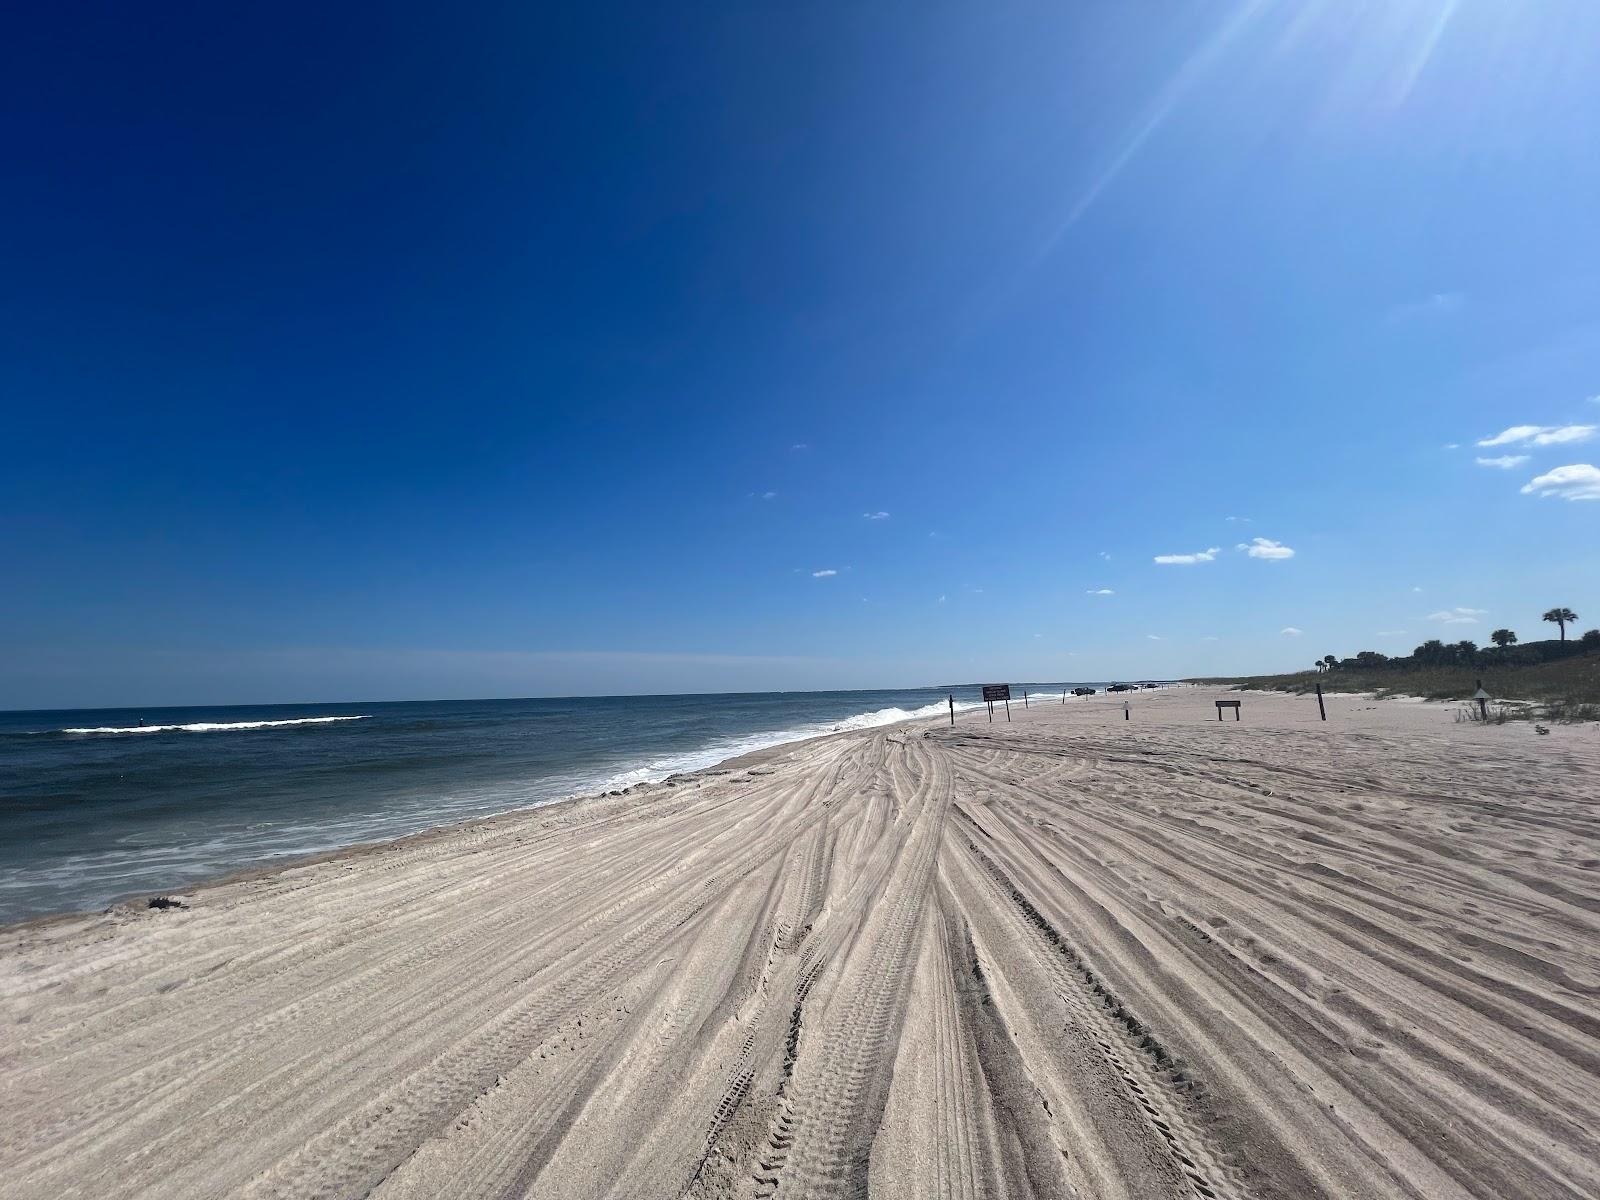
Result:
x=1067 y=956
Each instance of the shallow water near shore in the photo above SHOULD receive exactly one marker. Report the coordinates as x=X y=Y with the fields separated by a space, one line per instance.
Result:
x=100 y=804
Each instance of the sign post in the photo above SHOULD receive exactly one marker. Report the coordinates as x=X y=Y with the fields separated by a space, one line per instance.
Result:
x=1321 y=708
x=1024 y=697
x=997 y=691
x=1127 y=709
x=1482 y=697
x=952 y=710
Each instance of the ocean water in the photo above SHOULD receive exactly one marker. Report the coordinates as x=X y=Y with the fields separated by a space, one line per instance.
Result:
x=96 y=805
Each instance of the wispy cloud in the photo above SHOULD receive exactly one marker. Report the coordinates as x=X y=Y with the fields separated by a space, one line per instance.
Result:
x=1105 y=554
x=942 y=599
x=1291 y=631
x=1437 y=304
x=801 y=446
x=1184 y=560
x=876 y=516
x=1154 y=637
x=1541 y=435
x=825 y=573
x=1458 y=615
x=1505 y=461
x=1579 y=481
x=1099 y=592
x=1211 y=637
x=769 y=495
x=1245 y=520
x=1390 y=633
x=1266 y=548
x=1564 y=435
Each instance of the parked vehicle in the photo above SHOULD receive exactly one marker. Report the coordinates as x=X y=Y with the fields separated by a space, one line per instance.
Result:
x=1083 y=691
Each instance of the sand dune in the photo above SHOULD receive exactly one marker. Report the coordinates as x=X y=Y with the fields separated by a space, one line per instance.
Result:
x=1067 y=956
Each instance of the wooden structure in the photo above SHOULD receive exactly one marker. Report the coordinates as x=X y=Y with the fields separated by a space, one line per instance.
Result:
x=997 y=691
x=1233 y=704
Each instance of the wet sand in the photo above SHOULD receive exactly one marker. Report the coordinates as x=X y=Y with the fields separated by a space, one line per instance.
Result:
x=1068 y=956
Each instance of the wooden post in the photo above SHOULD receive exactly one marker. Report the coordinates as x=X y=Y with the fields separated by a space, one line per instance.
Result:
x=1321 y=708
x=991 y=711
x=1127 y=707
x=1483 y=701
x=1063 y=695
x=1024 y=697
x=1008 y=708
x=952 y=710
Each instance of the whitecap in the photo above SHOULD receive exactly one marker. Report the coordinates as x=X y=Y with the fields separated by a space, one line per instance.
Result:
x=211 y=726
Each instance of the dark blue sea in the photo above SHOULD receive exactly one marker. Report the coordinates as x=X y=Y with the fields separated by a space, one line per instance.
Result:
x=100 y=804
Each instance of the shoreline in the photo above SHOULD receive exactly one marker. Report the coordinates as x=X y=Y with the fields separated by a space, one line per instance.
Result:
x=1291 y=959
x=129 y=903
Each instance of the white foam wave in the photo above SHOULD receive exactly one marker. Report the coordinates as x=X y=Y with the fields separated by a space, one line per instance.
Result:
x=716 y=752
x=214 y=726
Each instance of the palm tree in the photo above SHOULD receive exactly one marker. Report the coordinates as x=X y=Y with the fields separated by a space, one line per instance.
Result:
x=1503 y=638
x=1560 y=616
x=1331 y=660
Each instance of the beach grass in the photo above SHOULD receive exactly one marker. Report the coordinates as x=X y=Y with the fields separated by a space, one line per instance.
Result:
x=1568 y=689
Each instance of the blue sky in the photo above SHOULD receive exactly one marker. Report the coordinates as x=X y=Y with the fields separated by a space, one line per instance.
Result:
x=417 y=352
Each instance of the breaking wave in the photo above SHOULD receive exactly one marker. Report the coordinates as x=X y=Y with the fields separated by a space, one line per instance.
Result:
x=719 y=751
x=210 y=726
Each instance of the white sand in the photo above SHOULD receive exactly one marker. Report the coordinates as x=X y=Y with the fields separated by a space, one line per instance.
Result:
x=1068 y=956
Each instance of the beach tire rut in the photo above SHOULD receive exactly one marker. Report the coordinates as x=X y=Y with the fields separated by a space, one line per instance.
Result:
x=1154 y=1081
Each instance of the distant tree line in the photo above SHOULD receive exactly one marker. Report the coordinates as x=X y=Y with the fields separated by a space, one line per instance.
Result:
x=1506 y=651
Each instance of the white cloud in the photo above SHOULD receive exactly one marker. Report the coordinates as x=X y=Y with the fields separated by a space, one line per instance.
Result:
x=1038 y=635
x=825 y=573
x=769 y=495
x=942 y=599
x=1458 y=615
x=801 y=446
x=1579 y=481
x=876 y=516
x=1185 y=560
x=1517 y=433
x=1452 y=445
x=1390 y=633
x=1416 y=589
x=1099 y=592
x=1291 y=631
x=1266 y=548
x=1105 y=554
x=1505 y=461
x=1541 y=435
x=1246 y=520
x=1564 y=435
x=1211 y=637
x=1154 y=637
